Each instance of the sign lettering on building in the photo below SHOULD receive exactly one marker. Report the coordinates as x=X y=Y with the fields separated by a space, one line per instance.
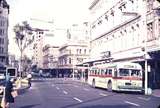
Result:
x=105 y=54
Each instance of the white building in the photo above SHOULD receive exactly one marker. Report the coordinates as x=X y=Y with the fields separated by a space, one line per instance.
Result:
x=37 y=49
x=4 y=14
x=50 y=57
x=72 y=54
x=122 y=30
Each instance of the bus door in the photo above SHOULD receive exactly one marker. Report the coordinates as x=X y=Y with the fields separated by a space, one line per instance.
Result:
x=102 y=77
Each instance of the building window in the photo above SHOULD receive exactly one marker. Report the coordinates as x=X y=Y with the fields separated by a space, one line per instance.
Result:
x=132 y=1
x=159 y=26
x=70 y=61
x=1 y=41
x=150 y=31
x=112 y=12
x=84 y=51
x=99 y=22
x=93 y=26
x=122 y=6
x=132 y=28
x=137 y=25
x=1 y=50
x=77 y=51
x=106 y=17
x=1 y=32
x=80 y=51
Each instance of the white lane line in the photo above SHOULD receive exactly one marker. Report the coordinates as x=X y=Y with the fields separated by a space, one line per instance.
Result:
x=65 y=92
x=102 y=94
x=75 y=86
x=86 y=89
x=131 y=103
x=77 y=99
x=57 y=88
x=142 y=98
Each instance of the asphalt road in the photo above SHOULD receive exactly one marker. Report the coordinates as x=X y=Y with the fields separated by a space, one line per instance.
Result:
x=60 y=93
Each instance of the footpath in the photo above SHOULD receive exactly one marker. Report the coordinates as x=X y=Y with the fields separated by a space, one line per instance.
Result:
x=156 y=92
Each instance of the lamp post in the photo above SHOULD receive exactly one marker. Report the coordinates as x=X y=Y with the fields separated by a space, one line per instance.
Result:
x=144 y=29
x=73 y=66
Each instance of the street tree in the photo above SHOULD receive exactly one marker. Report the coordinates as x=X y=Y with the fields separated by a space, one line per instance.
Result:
x=23 y=37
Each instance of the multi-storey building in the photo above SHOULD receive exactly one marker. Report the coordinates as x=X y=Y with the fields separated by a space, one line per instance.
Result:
x=124 y=30
x=50 y=57
x=4 y=12
x=71 y=54
x=38 y=46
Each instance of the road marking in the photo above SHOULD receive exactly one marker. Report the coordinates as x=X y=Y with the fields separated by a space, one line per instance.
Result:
x=53 y=85
x=65 y=92
x=32 y=88
x=77 y=99
x=57 y=88
x=102 y=94
x=86 y=89
x=75 y=86
x=142 y=98
x=131 y=103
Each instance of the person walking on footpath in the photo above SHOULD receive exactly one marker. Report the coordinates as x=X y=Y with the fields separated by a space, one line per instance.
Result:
x=29 y=77
x=8 y=91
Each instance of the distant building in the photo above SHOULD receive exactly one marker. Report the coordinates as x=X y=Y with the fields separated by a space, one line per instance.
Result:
x=4 y=13
x=70 y=55
x=50 y=57
x=37 y=49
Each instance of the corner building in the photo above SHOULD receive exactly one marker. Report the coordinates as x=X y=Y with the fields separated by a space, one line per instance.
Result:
x=4 y=13
x=124 y=30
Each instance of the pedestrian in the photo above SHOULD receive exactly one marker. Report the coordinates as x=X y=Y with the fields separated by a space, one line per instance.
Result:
x=29 y=76
x=8 y=91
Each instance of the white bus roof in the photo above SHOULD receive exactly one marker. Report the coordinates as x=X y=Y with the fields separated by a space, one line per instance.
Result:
x=127 y=65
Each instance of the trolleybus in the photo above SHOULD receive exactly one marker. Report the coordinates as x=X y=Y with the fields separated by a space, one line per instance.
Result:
x=116 y=76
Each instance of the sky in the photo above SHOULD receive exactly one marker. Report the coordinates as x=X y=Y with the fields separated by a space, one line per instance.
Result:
x=64 y=13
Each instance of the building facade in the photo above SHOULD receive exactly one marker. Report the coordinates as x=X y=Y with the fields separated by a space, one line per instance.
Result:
x=4 y=13
x=50 y=57
x=124 y=30
x=72 y=54
x=37 y=49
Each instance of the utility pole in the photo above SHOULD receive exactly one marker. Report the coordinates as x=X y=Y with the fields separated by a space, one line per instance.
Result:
x=144 y=7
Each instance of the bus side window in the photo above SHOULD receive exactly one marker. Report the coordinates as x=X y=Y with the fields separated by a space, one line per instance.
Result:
x=106 y=72
x=110 y=72
x=102 y=71
x=115 y=71
x=98 y=72
x=90 y=72
x=95 y=72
